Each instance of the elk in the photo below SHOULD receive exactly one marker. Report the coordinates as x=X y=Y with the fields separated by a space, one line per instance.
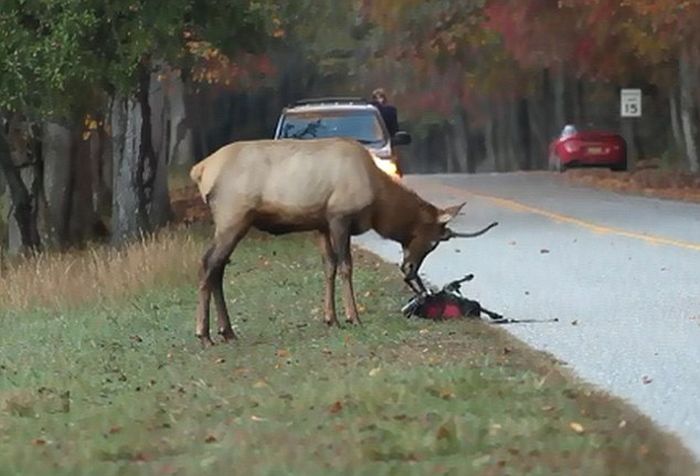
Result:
x=331 y=186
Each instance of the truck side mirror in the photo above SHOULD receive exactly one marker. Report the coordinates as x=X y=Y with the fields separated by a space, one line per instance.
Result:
x=401 y=138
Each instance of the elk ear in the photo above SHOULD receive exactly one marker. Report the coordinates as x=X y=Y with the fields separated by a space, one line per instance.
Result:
x=447 y=214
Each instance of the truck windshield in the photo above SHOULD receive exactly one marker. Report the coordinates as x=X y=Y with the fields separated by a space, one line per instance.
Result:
x=363 y=126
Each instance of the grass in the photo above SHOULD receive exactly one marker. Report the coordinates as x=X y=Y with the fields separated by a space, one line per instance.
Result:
x=113 y=382
x=100 y=274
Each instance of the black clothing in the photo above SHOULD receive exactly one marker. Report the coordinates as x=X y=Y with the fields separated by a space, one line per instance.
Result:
x=390 y=116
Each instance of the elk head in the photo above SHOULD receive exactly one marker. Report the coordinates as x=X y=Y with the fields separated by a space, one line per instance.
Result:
x=431 y=230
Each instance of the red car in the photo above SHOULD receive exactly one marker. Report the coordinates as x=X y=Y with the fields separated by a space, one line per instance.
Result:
x=587 y=149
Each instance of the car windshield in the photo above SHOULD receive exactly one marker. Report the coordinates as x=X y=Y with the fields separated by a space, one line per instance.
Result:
x=363 y=126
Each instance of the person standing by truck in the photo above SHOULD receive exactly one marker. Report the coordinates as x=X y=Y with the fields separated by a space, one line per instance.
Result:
x=388 y=112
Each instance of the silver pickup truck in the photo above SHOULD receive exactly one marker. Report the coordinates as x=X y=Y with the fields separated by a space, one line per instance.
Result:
x=344 y=117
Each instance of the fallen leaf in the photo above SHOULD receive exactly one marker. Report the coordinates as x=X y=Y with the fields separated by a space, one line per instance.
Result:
x=446 y=394
x=282 y=353
x=335 y=407
x=141 y=456
x=442 y=433
x=577 y=427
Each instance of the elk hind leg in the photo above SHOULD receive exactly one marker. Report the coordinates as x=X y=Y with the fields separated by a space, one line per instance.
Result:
x=226 y=243
x=204 y=299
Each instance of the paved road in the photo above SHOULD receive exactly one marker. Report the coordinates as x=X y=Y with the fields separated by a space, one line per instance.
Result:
x=627 y=269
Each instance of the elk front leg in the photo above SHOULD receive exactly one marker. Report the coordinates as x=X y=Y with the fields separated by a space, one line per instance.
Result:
x=340 y=237
x=330 y=265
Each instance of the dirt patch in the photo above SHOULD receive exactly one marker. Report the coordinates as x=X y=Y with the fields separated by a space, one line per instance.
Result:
x=648 y=180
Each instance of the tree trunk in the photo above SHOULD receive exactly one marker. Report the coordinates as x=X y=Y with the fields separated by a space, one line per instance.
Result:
x=180 y=147
x=539 y=112
x=579 y=101
x=522 y=122
x=159 y=212
x=489 y=138
x=560 y=117
x=58 y=181
x=128 y=212
x=23 y=228
x=84 y=217
x=676 y=121
x=629 y=134
x=461 y=140
x=689 y=113
x=135 y=170
x=448 y=139
x=104 y=191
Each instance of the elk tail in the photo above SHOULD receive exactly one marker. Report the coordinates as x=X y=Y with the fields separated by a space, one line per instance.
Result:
x=196 y=174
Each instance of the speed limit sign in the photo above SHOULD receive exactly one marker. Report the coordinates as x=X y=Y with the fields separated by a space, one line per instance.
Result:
x=631 y=103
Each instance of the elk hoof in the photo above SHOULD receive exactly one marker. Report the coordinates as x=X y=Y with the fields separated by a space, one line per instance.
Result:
x=228 y=335
x=206 y=341
x=332 y=321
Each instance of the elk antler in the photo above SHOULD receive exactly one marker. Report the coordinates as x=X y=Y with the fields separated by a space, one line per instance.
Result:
x=455 y=234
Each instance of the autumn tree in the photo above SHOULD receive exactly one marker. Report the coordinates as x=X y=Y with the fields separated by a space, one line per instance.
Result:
x=45 y=75
x=136 y=40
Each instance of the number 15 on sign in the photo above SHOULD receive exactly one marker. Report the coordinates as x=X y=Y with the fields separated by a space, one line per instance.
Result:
x=631 y=103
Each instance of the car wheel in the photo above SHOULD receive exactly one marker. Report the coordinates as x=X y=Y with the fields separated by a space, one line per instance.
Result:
x=619 y=167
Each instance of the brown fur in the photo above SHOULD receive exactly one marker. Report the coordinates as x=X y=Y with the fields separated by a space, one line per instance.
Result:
x=331 y=186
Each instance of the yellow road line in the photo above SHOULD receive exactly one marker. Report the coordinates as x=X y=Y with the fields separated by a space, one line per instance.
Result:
x=595 y=228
